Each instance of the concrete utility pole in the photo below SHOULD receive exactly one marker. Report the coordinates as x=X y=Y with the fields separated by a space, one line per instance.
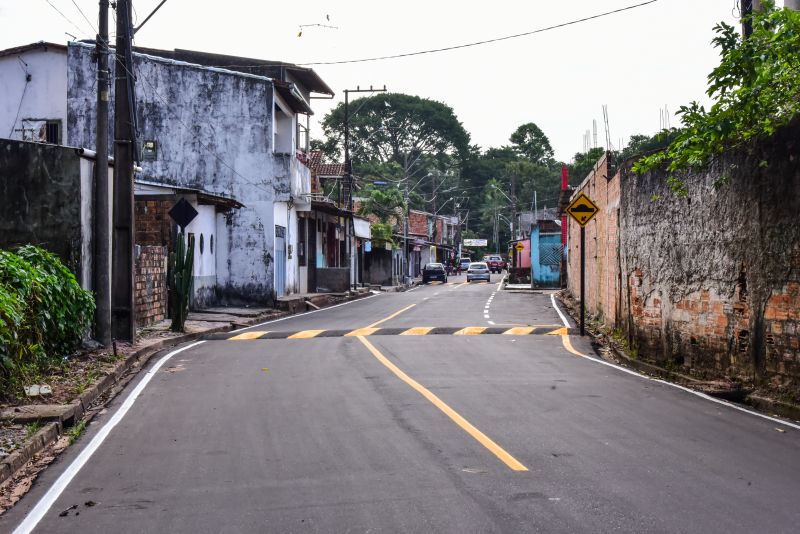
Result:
x=792 y=4
x=123 y=319
x=102 y=223
x=348 y=170
x=748 y=7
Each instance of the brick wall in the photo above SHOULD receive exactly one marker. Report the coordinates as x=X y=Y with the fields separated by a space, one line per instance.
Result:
x=151 y=284
x=709 y=281
x=602 y=262
x=153 y=223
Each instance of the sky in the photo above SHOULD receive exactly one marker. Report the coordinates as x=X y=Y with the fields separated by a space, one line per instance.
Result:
x=637 y=62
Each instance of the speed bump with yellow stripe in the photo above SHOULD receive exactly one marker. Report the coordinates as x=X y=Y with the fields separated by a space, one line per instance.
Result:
x=251 y=335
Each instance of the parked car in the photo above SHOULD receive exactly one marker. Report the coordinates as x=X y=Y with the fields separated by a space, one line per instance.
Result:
x=433 y=271
x=495 y=262
x=464 y=263
x=478 y=271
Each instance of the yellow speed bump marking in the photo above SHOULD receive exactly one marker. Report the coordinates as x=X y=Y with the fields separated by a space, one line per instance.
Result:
x=306 y=334
x=519 y=331
x=392 y=316
x=465 y=425
x=470 y=331
x=417 y=331
x=252 y=334
x=367 y=331
x=563 y=331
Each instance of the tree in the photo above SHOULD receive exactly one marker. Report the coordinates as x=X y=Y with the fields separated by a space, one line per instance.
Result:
x=405 y=130
x=755 y=90
x=531 y=142
x=383 y=203
x=583 y=163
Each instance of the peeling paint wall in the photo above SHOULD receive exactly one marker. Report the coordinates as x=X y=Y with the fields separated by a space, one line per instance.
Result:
x=214 y=131
x=712 y=281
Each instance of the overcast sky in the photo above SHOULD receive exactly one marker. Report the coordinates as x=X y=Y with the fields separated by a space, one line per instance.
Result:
x=636 y=62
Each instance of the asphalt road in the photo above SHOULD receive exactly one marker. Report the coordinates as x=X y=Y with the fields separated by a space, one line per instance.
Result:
x=459 y=433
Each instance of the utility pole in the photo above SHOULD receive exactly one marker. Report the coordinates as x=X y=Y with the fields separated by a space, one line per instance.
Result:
x=122 y=302
x=748 y=7
x=102 y=224
x=348 y=178
x=407 y=269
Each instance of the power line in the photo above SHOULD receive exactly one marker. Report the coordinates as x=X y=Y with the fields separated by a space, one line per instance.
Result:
x=81 y=30
x=85 y=17
x=487 y=41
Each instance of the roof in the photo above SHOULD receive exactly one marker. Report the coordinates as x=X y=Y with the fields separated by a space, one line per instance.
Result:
x=271 y=69
x=33 y=46
x=203 y=196
x=319 y=168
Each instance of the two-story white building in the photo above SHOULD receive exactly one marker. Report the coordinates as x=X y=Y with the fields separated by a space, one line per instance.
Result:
x=232 y=126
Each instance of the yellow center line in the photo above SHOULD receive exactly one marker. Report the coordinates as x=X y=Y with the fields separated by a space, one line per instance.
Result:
x=306 y=334
x=465 y=425
x=392 y=316
x=559 y=332
x=252 y=334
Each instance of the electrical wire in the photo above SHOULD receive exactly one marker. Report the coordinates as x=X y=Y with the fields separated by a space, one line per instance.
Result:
x=486 y=41
x=85 y=17
x=81 y=30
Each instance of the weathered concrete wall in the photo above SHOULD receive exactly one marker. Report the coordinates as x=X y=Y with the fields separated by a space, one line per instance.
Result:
x=712 y=281
x=214 y=131
x=40 y=188
x=378 y=266
x=333 y=279
x=602 y=261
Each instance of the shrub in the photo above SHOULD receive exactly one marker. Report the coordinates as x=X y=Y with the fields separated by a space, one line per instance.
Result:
x=44 y=313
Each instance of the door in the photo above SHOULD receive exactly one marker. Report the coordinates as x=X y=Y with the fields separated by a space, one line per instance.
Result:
x=280 y=260
x=311 y=227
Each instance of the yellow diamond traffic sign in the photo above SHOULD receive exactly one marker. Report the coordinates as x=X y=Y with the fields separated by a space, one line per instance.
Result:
x=582 y=209
x=519 y=246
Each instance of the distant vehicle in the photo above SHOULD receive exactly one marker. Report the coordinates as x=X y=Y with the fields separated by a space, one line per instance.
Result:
x=433 y=271
x=464 y=263
x=495 y=262
x=478 y=271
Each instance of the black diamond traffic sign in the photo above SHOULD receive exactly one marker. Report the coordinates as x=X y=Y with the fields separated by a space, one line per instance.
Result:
x=182 y=213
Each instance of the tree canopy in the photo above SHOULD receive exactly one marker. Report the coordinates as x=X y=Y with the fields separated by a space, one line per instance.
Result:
x=530 y=142
x=754 y=90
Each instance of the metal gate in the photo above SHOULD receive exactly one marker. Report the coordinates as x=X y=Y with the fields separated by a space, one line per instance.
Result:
x=280 y=260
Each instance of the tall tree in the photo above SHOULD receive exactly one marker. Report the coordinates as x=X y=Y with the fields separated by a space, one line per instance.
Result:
x=530 y=142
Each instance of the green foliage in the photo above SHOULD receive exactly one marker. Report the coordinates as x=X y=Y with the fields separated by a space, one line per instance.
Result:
x=383 y=203
x=531 y=143
x=181 y=263
x=382 y=233
x=583 y=163
x=754 y=90
x=76 y=431
x=44 y=313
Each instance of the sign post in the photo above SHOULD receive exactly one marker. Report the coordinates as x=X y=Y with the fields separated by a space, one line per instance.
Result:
x=582 y=210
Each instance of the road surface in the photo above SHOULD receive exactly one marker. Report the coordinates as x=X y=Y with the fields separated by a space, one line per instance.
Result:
x=422 y=432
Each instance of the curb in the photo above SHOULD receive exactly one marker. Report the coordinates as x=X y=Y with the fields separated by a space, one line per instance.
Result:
x=17 y=459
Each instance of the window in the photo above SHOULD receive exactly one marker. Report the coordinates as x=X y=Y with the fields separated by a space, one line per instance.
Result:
x=201 y=244
x=211 y=244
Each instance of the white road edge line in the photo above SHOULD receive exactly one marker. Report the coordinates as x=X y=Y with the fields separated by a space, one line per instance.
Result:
x=491 y=322
x=49 y=498
x=304 y=313
x=682 y=388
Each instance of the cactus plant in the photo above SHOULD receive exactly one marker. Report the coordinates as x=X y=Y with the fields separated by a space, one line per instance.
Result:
x=181 y=262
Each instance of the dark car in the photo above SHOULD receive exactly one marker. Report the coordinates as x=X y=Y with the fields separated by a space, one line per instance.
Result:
x=433 y=271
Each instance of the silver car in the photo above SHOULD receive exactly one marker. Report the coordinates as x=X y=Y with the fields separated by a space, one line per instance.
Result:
x=478 y=271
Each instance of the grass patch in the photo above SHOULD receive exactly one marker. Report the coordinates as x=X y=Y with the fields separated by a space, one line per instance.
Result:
x=76 y=431
x=31 y=429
